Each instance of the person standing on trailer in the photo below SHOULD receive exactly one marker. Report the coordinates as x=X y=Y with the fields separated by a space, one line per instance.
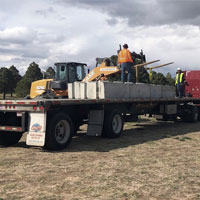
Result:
x=126 y=61
x=180 y=80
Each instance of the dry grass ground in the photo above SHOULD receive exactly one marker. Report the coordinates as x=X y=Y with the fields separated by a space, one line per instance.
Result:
x=152 y=160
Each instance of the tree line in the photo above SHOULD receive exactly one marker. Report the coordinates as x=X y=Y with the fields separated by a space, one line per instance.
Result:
x=12 y=82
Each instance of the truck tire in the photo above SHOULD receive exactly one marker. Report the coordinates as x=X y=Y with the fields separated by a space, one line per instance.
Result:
x=198 y=113
x=60 y=130
x=192 y=114
x=113 y=124
x=9 y=138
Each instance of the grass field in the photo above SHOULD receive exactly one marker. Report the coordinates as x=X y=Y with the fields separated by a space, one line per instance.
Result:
x=152 y=160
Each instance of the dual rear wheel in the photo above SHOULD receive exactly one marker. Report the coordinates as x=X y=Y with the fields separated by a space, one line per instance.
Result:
x=190 y=114
x=61 y=128
x=113 y=124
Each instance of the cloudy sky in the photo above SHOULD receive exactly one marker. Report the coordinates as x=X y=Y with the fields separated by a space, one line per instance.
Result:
x=49 y=31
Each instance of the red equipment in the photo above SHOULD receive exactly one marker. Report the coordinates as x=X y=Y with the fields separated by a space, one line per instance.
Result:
x=192 y=87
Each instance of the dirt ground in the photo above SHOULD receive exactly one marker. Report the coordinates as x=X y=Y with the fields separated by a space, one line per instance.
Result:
x=152 y=160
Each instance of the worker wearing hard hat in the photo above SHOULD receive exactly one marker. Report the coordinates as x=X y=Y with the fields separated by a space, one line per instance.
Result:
x=126 y=61
x=180 y=83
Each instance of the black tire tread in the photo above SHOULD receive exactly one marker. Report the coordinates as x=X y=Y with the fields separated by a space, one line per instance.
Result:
x=50 y=141
x=107 y=127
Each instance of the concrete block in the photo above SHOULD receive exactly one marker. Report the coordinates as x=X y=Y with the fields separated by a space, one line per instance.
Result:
x=113 y=90
x=83 y=90
x=91 y=91
x=168 y=91
x=118 y=90
x=77 y=93
x=139 y=91
x=71 y=90
x=156 y=91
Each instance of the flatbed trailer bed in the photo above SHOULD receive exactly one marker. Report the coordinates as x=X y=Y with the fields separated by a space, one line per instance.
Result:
x=28 y=102
x=53 y=122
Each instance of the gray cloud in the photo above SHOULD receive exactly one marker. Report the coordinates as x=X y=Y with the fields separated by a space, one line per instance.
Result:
x=17 y=35
x=48 y=31
x=45 y=12
x=146 y=12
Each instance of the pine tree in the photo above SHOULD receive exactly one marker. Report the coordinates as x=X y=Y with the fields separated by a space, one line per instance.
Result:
x=5 y=81
x=16 y=77
x=50 y=73
x=170 y=80
x=33 y=73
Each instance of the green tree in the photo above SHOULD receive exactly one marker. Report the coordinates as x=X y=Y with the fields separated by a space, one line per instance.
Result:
x=143 y=75
x=50 y=73
x=170 y=80
x=114 y=59
x=33 y=73
x=16 y=77
x=158 y=79
x=5 y=81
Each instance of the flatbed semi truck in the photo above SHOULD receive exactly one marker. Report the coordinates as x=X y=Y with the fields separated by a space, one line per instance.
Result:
x=51 y=123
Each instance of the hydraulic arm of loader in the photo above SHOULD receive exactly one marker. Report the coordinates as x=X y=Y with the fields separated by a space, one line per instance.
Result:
x=108 y=70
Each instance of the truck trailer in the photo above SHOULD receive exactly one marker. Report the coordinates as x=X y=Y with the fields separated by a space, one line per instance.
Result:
x=51 y=123
x=192 y=87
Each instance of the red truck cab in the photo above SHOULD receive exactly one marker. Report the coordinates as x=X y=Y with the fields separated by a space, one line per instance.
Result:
x=192 y=87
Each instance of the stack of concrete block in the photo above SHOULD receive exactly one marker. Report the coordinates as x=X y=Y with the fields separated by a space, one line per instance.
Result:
x=77 y=90
x=115 y=90
x=118 y=90
x=139 y=91
x=70 y=88
x=156 y=91
x=168 y=91
x=92 y=90
x=83 y=90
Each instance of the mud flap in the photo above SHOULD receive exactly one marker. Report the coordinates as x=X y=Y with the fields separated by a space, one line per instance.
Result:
x=37 y=129
x=95 y=122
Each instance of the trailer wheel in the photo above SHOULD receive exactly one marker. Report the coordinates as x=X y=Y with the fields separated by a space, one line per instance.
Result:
x=9 y=138
x=60 y=130
x=198 y=114
x=113 y=124
x=191 y=114
x=194 y=114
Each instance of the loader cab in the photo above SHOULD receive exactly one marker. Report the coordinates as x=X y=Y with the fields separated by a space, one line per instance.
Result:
x=70 y=72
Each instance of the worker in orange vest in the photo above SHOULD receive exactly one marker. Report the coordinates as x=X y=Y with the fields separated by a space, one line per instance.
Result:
x=126 y=61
